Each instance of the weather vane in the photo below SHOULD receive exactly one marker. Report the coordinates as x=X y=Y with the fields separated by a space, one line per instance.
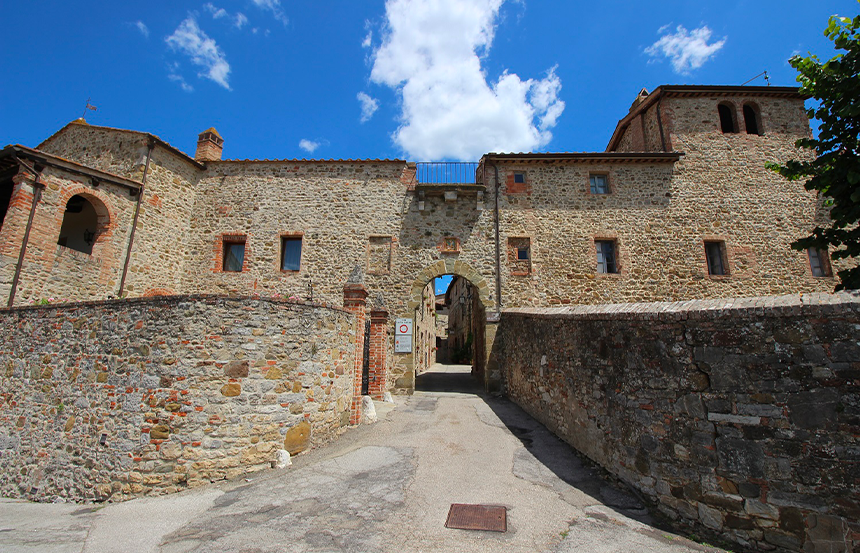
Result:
x=766 y=78
x=90 y=107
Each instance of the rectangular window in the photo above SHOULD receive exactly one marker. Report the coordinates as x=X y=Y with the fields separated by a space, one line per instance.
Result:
x=714 y=254
x=599 y=184
x=291 y=253
x=519 y=255
x=819 y=262
x=606 y=256
x=520 y=178
x=234 y=253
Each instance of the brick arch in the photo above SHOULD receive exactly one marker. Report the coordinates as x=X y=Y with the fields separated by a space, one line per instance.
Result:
x=152 y=292
x=449 y=267
x=102 y=205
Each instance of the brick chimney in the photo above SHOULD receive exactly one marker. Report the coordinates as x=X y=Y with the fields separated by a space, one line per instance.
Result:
x=209 y=145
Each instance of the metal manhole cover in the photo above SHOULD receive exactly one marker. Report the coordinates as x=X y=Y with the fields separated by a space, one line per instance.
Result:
x=477 y=517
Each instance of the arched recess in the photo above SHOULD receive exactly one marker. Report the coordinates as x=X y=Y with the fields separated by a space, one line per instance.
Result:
x=85 y=223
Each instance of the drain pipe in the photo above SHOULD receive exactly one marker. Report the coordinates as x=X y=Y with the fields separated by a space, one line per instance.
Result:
x=498 y=247
x=37 y=195
x=150 y=146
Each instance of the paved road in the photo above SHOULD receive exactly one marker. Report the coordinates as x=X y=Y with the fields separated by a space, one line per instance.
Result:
x=385 y=487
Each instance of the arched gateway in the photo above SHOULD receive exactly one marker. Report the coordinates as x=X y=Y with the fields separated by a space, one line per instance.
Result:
x=483 y=333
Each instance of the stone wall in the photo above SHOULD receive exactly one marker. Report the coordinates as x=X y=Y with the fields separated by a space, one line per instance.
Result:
x=129 y=397
x=739 y=417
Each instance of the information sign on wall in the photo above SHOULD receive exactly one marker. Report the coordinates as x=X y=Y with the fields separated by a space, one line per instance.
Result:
x=403 y=336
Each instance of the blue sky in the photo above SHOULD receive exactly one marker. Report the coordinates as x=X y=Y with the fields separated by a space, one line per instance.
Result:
x=415 y=79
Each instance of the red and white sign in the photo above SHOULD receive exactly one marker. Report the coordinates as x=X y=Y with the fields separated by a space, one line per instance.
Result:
x=403 y=327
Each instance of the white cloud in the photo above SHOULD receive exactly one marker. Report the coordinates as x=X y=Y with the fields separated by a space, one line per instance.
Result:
x=368 y=106
x=203 y=51
x=217 y=13
x=687 y=50
x=273 y=6
x=141 y=26
x=179 y=79
x=368 y=40
x=308 y=145
x=241 y=20
x=431 y=54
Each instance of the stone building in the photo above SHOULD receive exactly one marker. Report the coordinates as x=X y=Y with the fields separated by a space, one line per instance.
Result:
x=679 y=206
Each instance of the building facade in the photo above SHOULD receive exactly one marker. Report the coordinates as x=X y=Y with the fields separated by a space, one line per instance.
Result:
x=679 y=206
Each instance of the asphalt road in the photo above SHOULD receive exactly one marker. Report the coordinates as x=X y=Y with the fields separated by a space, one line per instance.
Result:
x=385 y=487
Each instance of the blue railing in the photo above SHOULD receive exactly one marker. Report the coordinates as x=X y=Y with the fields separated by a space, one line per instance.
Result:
x=446 y=172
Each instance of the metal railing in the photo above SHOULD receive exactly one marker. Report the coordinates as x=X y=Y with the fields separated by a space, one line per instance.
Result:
x=446 y=172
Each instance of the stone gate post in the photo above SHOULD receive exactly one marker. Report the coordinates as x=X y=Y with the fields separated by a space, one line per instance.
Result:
x=377 y=383
x=355 y=301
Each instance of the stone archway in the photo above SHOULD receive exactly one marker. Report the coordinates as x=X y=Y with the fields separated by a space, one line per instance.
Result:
x=485 y=331
x=449 y=267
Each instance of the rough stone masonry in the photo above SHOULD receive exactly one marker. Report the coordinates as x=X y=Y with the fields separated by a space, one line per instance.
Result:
x=741 y=417
x=127 y=397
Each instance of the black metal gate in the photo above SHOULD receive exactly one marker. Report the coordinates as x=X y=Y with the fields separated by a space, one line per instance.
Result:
x=365 y=365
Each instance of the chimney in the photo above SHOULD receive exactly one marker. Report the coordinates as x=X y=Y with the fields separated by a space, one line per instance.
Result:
x=209 y=145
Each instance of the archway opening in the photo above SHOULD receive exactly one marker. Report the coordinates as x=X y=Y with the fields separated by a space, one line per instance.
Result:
x=80 y=225
x=449 y=337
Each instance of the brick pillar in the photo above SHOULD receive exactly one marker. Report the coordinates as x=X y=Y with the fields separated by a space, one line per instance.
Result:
x=355 y=301
x=378 y=352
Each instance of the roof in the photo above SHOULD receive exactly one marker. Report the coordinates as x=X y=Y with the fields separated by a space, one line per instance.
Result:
x=303 y=160
x=149 y=136
x=10 y=154
x=614 y=157
x=691 y=91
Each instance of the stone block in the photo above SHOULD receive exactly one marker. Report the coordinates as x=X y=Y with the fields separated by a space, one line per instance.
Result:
x=159 y=432
x=710 y=517
x=236 y=369
x=231 y=389
x=297 y=438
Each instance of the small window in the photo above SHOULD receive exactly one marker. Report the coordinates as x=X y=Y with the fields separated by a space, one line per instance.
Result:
x=519 y=255
x=751 y=119
x=291 y=253
x=714 y=252
x=727 y=119
x=519 y=178
x=606 y=256
x=234 y=254
x=819 y=262
x=599 y=184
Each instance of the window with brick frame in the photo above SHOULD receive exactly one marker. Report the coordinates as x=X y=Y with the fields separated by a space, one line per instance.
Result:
x=598 y=183
x=291 y=253
x=233 y=253
x=607 y=260
x=519 y=177
x=819 y=262
x=715 y=255
x=520 y=255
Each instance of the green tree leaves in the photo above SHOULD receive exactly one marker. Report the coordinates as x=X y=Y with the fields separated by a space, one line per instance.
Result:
x=835 y=170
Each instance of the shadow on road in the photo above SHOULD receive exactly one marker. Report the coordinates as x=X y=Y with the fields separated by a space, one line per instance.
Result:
x=550 y=452
x=448 y=379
